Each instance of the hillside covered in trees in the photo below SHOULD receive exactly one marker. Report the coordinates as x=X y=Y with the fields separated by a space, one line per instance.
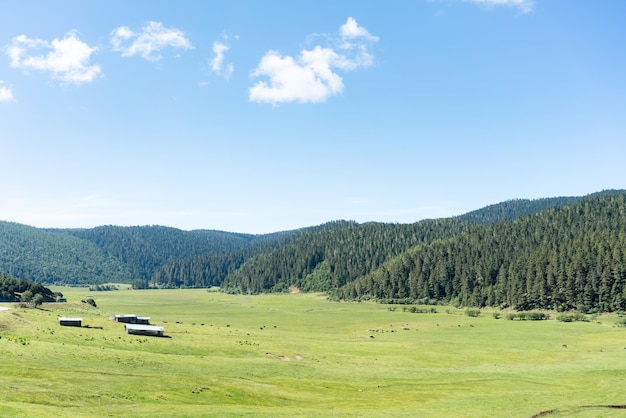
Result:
x=513 y=209
x=55 y=257
x=211 y=269
x=561 y=253
x=560 y=258
x=107 y=253
x=335 y=254
x=14 y=290
x=142 y=249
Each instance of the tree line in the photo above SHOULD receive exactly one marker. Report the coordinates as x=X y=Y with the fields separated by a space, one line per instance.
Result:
x=50 y=257
x=334 y=254
x=143 y=249
x=571 y=257
x=212 y=269
x=18 y=290
x=556 y=253
x=107 y=253
x=338 y=253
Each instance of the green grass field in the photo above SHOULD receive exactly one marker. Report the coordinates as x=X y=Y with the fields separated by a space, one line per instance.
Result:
x=301 y=355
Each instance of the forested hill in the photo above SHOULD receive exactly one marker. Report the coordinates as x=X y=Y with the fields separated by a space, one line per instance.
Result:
x=335 y=254
x=512 y=209
x=358 y=260
x=561 y=258
x=44 y=256
x=13 y=290
x=107 y=253
x=211 y=269
x=144 y=248
x=331 y=257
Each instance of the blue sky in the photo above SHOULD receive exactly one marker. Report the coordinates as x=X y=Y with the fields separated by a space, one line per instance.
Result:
x=252 y=116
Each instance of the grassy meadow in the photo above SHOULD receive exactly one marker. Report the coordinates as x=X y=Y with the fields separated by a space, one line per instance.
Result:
x=301 y=355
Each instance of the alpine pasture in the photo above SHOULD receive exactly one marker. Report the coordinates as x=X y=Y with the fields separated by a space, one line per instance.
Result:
x=302 y=355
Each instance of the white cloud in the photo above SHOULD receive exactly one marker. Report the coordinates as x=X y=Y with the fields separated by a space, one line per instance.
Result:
x=65 y=59
x=526 y=6
x=309 y=79
x=153 y=38
x=6 y=95
x=217 y=63
x=352 y=30
x=311 y=76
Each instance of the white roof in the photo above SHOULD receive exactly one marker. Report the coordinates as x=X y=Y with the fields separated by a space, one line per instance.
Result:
x=70 y=319
x=138 y=327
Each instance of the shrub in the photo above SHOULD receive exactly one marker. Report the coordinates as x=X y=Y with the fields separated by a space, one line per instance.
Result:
x=564 y=318
x=428 y=301
x=531 y=316
x=37 y=300
x=572 y=317
x=472 y=312
x=496 y=315
x=102 y=288
x=91 y=302
x=538 y=316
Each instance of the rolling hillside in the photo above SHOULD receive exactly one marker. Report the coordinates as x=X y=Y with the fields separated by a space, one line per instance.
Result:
x=106 y=253
x=55 y=257
x=504 y=254
x=144 y=248
x=571 y=257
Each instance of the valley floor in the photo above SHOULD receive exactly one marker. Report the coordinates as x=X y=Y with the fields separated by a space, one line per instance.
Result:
x=301 y=355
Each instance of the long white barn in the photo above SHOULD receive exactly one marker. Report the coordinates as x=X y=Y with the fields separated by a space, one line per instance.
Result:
x=144 y=330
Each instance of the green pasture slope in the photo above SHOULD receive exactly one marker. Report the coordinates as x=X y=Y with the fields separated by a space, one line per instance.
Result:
x=301 y=355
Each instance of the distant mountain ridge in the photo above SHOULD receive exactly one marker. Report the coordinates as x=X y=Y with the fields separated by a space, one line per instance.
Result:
x=106 y=253
x=328 y=257
x=143 y=248
x=515 y=208
x=563 y=258
x=39 y=255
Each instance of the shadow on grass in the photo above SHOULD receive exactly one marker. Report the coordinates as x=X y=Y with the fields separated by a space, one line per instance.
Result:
x=557 y=411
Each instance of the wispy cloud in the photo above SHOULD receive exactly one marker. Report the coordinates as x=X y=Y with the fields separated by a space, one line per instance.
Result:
x=217 y=63
x=149 y=42
x=526 y=6
x=67 y=59
x=6 y=95
x=312 y=77
x=352 y=30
